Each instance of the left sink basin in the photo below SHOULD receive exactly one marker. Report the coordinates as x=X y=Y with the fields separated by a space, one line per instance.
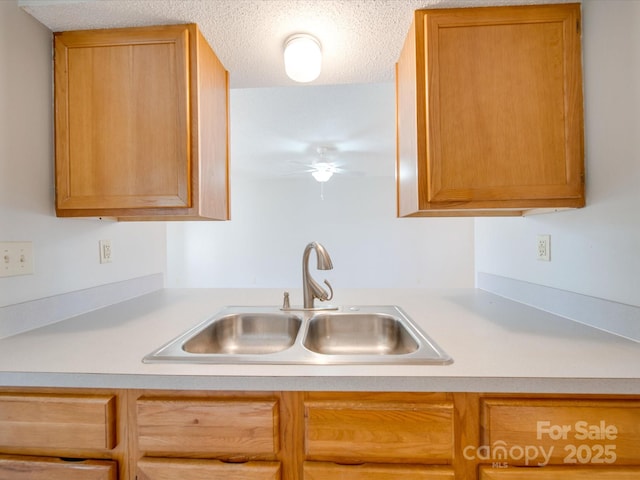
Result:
x=246 y=334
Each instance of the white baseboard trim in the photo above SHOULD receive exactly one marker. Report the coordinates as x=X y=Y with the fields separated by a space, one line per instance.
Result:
x=613 y=317
x=22 y=317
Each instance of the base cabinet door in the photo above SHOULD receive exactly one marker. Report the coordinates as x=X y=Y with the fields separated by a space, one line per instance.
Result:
x=369 y=471
x=183 y=469
x=43 y=468
x=559 y=473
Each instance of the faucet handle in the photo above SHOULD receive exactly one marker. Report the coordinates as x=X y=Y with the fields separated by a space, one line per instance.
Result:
x=324 y=294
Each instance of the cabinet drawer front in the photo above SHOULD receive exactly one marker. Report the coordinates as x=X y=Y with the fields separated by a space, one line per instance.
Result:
x=331 y=471
x=162 y=469
x=580 y=432
x=58 y=421
x=381 y=433
x=208 y=427
x=561 y=473
x=42 y=468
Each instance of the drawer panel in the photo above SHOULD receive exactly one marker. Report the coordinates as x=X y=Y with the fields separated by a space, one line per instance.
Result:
x=332 y=471
x=567 y=432
x=42 y=468
x=58 y=421
x=368 y=432
x=161 y=469
x=204 y=427
x=560 y=473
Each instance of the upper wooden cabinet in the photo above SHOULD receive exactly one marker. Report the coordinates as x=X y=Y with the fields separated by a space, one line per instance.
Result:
x=141 y=125
x=490 y=111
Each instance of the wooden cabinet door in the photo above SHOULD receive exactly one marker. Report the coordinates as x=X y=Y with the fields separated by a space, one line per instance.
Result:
x=122 y=111
x=560 y=473
x=378 y=430
x=332 y=471
x=141 y=119
x=558 y=431
x=42 y=468
x=490 y=110
x=164 y=469
x=50 y=421
x=235 y=429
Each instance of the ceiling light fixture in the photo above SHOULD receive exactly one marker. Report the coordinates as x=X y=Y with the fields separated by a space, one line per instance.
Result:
x=322 y=172
x=302 y=57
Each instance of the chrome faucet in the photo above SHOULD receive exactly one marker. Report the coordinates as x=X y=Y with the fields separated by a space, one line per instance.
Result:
x=311 y=288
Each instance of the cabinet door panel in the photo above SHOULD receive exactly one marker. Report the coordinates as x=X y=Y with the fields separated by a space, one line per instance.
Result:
x=199 y=427
x=332 y=471
x=162 y=469
x=594 y=432
x=118 y=146
x=42 y=468
x=490 y=115
x=560 y=473
x=57 y=421
x=353 y=432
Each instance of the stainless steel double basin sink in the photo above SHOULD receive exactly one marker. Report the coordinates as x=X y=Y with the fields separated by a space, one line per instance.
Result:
x=270 y=335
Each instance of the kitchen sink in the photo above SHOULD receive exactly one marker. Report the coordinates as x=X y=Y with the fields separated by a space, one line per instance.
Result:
x=246 y=333
x=358 y=334
x=270 y=335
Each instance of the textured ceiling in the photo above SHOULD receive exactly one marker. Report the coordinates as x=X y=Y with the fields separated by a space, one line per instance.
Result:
x=361 y=39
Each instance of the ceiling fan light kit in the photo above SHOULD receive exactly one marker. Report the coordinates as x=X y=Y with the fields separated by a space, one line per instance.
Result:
x=302 y=57
x=322 y=172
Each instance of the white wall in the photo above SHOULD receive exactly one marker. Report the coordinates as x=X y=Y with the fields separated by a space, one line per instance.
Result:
x=274 y=218
x=596 y=250
x=65 y=250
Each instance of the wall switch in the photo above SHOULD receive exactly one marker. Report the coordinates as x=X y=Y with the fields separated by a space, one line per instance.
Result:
x=544 y=248
x=105 y=251
x=16 y=258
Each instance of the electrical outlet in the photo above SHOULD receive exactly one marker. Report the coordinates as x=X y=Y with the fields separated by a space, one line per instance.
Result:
x=16 y=258
x=544 y=248
x=105 y=251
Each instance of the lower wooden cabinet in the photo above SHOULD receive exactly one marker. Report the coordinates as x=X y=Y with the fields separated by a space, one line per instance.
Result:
x=54 y=421
x=78 y=434
x=43 y=468
x=580 y=432
x=213 y=427
x=184 y=469
x=381 y=428
x=369 y=471
x=560 y=473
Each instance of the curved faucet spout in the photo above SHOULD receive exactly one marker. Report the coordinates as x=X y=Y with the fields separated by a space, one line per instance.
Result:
x=311 y=288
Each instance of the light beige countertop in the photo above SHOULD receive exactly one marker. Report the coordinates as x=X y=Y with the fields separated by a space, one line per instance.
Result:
x=497 y=345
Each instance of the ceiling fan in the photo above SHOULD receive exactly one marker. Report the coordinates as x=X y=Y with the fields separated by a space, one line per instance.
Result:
x=324 y=167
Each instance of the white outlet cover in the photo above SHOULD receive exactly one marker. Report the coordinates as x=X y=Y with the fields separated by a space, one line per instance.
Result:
x=543 y=247
x=106 y=254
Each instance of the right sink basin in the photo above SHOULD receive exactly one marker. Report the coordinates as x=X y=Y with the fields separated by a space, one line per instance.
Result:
x=358 y=334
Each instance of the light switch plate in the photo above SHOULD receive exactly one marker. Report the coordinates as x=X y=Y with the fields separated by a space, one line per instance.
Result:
x=16 y=258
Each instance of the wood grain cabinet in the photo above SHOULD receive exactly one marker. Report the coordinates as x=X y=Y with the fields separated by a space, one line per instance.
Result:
x=86 y=434
x=560 y=473
x=56 y=436
x=490 y=111
x=141 y=124
x=558 y=438
x=43 y=468
x=207 y=436
x=378 y=436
